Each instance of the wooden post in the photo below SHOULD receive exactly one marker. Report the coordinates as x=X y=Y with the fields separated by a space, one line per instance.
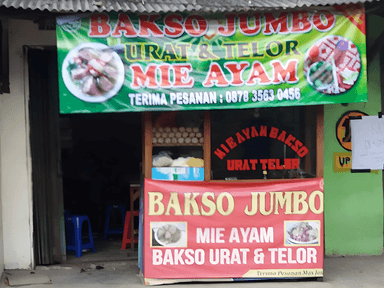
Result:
x=320 y=151
x=142 y=143
x=308 y=112
x=147 y=144
x=320 y=142
x=134 y=193
x=207 y=146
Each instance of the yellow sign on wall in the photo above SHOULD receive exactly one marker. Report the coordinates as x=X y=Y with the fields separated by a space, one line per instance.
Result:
x=342 y=161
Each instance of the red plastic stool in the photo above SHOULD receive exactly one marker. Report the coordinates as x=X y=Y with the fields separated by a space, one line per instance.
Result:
x=129 y=236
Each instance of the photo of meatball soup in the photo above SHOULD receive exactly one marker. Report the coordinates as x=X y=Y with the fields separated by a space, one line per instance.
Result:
x=94 y=71
x=168 y=234
x=303 y=233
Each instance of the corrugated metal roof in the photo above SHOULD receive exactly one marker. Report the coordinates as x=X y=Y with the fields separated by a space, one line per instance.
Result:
x=159 y=6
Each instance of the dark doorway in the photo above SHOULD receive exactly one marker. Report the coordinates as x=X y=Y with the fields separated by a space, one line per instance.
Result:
x=81 y=163
x=101 y=162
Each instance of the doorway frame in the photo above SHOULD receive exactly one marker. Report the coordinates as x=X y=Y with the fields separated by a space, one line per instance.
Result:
x=61 y=258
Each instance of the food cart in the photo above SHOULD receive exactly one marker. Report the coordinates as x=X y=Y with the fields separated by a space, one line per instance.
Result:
x=226 y=229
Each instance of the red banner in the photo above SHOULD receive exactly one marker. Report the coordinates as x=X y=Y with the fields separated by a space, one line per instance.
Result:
x=233 y=230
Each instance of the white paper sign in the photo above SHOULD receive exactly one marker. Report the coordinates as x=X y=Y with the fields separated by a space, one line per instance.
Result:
x=367 y=143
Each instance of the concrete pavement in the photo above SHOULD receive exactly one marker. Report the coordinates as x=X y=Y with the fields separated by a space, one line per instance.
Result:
x=350 y=271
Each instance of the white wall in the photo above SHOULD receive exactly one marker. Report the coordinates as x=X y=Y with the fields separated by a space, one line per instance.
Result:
x=15 y=175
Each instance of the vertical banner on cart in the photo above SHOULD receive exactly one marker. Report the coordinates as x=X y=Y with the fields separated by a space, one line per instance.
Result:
x=233 y=230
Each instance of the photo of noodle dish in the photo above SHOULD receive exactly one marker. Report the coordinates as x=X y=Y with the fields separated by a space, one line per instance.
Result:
x=92 y=72
x=172 y=234
x=332 y=65
x=303 y=233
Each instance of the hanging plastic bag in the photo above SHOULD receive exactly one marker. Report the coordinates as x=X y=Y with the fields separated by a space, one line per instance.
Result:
x=162 y=160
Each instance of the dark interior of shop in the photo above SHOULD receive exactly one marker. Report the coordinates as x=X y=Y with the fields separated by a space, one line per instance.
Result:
x=101 y=155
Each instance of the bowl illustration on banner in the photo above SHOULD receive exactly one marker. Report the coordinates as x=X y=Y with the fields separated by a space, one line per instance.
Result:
x=92 y=72
x=303 y=233
x=332 y=65
x=170 y=234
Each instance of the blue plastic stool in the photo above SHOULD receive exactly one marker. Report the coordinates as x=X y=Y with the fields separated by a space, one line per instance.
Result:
x=73 y=225
x=107 y=230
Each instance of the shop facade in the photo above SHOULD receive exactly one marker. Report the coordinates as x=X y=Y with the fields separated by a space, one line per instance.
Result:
x=351 y=201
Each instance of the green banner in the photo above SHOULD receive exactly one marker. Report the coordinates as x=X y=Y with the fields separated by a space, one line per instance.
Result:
x=119 y=62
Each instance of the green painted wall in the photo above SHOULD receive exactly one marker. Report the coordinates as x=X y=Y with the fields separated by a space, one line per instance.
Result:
x=353 y=201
